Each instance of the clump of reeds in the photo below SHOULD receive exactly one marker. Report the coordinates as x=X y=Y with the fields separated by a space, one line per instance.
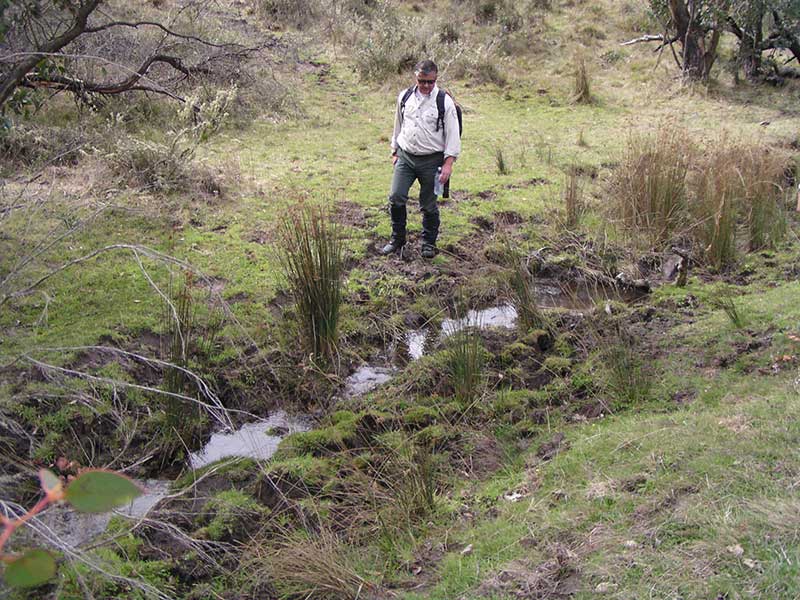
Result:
x=725 y=301
x=409 y=476
x=500 y=161
x=521 y=288
x=311 y=565
x=650 y=185
x=628 y=378
x=761 y=174
x=311 y=254
x=465 y=363
x=581 y=91
x=177 y=320
x=573 y=199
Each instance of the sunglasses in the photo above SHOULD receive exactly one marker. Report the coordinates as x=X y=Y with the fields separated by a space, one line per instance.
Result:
x=426 y=81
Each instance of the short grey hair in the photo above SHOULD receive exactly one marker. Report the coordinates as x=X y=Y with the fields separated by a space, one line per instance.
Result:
x=425 y=66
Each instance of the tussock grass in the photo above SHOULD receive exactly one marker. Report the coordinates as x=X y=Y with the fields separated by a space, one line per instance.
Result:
x=725 y=301
x=573 y=199
x=521 y=287
x=649 y=187
x=409 y=477
x=762 y=176
x=714 y=207
x=629 y=380
x=500 y=161
x=466 y=363
x=309 y=565
x=311 y=254
x=581 y=87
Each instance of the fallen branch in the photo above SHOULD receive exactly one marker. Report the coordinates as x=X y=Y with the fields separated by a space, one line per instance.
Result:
x=644 y=38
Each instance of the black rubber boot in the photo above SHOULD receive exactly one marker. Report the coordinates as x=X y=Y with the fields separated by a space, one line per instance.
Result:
x=398 y=239
x=430 y=232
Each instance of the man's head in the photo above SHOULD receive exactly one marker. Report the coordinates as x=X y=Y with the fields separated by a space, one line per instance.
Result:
x=426 y=73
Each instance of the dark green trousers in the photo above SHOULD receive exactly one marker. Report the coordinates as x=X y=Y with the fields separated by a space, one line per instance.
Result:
x=408 y=169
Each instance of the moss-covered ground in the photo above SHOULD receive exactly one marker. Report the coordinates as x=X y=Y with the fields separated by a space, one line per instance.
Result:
x=625 y=450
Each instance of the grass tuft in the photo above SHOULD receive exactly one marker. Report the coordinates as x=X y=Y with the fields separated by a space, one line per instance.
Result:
x=649 y=187
x=499 y=159
x=628 y=378
x=581 y=90
x=311 y=565
x=573 y=199
x=312 y=258
x=521 y=288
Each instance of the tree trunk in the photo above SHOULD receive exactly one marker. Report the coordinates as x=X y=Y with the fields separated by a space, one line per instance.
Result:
x=698 y=53
x=15 y=76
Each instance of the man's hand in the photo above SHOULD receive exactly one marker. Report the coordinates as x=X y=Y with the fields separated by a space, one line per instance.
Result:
x=447 y=169
x=394 y=159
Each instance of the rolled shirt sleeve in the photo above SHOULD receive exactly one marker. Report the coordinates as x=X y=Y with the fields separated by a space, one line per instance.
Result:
x=398 y=122
x=452 y=138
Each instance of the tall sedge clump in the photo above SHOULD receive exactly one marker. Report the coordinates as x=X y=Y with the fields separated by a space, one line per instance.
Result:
x=628 y=379
x=761 y=175
x=581 y=91
x=311 y=255
x=465 y=364
x=572 y=199
x=649 y=188
x=714 y=206
x=521 y=288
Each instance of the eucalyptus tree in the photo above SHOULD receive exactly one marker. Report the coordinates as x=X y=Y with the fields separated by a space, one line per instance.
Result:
x=97 y=48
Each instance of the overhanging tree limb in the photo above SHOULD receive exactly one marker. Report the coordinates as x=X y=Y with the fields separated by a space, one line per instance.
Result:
x=14 y=77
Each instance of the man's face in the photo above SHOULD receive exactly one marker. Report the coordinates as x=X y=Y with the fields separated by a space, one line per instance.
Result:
x=426 y=81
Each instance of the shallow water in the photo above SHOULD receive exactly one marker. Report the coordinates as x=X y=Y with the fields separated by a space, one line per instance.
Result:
x=366 y=379
x=504 y=315
x=252 y=440
x=64 y=524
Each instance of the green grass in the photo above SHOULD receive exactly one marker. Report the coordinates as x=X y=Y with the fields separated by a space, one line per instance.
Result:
x=653 y=500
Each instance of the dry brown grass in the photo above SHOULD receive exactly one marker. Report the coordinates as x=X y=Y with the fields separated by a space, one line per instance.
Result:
x=581 y=90
x=317 y=565
x=649 y=187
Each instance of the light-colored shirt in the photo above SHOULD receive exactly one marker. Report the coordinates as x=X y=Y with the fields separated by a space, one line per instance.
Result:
x=415 y=128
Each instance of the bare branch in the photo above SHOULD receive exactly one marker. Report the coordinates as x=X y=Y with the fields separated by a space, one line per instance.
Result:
x=11 y=81
x=170 y=32
x=644 y=38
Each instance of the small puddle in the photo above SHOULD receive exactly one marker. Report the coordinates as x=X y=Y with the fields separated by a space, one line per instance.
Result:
x=253 y=440
x=366 y=379
x=504 y=315
x=73 y=528
x=580 y=296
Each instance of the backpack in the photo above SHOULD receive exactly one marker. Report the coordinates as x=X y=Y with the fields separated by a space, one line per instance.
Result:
x=439 y=121
x=439 y=107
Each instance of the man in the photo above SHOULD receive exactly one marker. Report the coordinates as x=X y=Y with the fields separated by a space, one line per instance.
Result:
x=421 y=143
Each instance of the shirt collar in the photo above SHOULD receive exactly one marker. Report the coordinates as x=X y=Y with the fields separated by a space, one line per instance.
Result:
x=433 y=93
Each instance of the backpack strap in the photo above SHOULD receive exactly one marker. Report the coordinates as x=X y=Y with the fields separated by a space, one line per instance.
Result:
x=440 y=108
x=405 y=98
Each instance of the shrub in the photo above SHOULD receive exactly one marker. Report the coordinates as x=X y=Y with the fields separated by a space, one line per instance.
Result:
x=289 y=13
x=391 y=45
x=312 y=259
